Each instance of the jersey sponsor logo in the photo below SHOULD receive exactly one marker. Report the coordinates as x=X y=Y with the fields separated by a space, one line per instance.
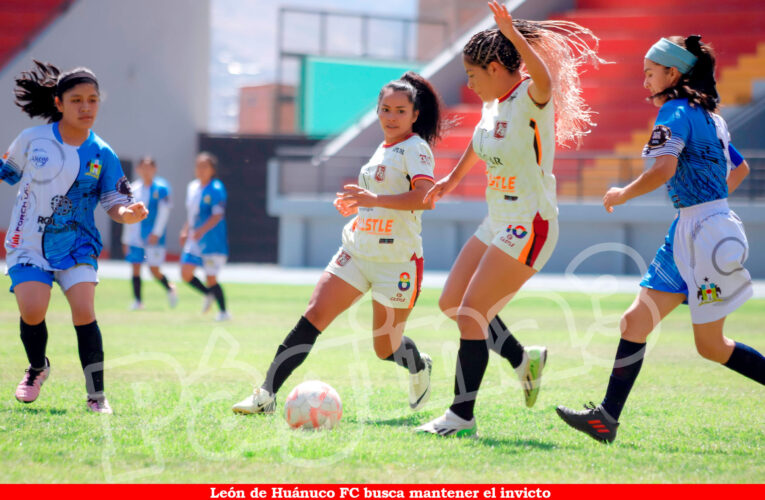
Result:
x=398 y=298
x=39 y=157
x=373 y=226
x=25 y=209
x=403 y=282
x=61 y=205
x=500 y=130
x=94 y=168
x=501 y=183
x=380 y=173
x=386 y=241
x=708 y=293
x=513 y=233
x=398 y=150
x=342 y=259
x=660 y=135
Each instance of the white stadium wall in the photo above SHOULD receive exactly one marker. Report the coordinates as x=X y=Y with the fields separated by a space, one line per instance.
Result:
x=152 y=59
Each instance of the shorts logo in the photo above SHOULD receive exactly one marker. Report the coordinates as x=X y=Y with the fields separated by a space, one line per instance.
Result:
x=380 y=173
x=39 y=157
x=61 y=205
x=500 y=130
x=403 y=283
x=342 y=259
x=659 y=136
x=708 y=293
x=94 y=168
x=517 y=231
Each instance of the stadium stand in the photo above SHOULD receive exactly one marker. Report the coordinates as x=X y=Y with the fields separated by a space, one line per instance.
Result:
x=22 y=20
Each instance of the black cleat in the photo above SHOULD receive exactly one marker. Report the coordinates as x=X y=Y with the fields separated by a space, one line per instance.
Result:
x=593 y=421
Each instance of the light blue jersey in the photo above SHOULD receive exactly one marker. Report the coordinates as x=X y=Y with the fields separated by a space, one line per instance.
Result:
x=157 y=200
x=202 y=202
x=699 y=140
x=52 y=225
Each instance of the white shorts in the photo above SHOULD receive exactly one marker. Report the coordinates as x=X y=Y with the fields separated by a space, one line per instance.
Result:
x=530 y=242
x=710 y=249
x=155 y=256
x=393 y=284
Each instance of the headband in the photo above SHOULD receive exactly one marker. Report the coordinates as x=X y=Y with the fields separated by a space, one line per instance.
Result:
x=73 y=79
x=670 y=54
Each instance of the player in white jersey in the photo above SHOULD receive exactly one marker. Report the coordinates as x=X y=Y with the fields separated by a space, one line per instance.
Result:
x=516 y=139
x=145 y=242
x=381 y=247
x=63 y=170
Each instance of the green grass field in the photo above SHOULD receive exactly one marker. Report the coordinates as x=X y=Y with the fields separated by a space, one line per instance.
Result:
x=172 y=377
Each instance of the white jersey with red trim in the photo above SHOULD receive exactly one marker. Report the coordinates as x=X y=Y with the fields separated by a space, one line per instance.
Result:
x=516 y=139
x=382 y=234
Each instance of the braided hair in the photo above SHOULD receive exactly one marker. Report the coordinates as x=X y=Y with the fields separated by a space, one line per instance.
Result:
x=564 y=47
x=698 y=85
x=430 y=124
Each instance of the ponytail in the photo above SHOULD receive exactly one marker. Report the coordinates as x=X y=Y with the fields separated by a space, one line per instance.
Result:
x=698 y=85
x=429 y=125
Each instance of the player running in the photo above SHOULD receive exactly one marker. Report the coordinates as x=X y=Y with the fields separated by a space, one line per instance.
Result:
x=63 y=170
x=702 y=260
x=381 y=247
x=203 y=235
x=516 y=139
x=146 y=241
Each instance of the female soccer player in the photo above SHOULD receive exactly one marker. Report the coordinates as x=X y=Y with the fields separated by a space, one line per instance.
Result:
x=203 y=236
x=63 y=169
x=146 y=241
x=516 y=138
x=382 y=247
x=701 y=261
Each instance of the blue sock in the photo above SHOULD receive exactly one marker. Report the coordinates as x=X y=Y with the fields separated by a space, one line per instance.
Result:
x=629 y=359
x=747 y=362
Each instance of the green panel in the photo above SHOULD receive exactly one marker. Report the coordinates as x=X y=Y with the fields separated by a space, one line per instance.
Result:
x=336 y=92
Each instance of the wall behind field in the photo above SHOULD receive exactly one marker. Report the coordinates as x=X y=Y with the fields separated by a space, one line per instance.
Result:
x=152 y=61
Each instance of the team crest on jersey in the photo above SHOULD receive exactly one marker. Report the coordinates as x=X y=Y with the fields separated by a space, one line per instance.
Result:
x=660 y=135
x=380 y=173
x=500 y=130
x=342 y=259
x=425 y=159
x=708 y=293
x=94 y=168
x=207 y=199
x=156 y=195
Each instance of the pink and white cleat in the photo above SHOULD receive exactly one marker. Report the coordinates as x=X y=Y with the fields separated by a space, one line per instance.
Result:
x=29 y=388
x=100 y=405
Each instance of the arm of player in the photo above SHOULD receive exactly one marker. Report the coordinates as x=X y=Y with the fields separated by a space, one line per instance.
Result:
x=737 y=176
x=661 y=171
x=211 y=223
x=354 y=196
x=447 y=184
x=160 y=223
x=128 y=214
x=541 y=82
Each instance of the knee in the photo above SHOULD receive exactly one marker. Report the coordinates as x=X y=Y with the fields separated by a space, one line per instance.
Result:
x=448 y=305
x=633 y=328
x=32 y=315
x=187 y=274
x=155 y=272
x=83 y=315
x=471 y=325
x=383 y=350
x=212 y=281
x=713 y=351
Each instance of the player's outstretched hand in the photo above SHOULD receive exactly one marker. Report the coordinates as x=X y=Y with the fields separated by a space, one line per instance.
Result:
x=503 y=19
x=614 y=197
x=438 y=191
x=354 y=196
x=343 y=208
x=134 y=213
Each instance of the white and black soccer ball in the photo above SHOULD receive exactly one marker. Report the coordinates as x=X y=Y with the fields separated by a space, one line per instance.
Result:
x=313 y=405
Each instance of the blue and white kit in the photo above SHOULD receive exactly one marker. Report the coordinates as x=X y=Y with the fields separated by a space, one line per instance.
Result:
x=52 y=233
x=202 y=202
x=704 y=252
x=136 y=236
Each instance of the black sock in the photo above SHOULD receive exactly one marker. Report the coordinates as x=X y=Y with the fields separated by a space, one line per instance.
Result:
x=503 y=343
x=35 y=338
x=747 y=362
x=91 y=349
x=195 y=283
x=137 y=288
x=217 y=292
x=164 y=282
x=290 y=354
x=407 y=356
x=472 y=359
x=627 y=363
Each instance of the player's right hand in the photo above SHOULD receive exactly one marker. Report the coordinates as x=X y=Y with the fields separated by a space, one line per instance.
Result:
x=439 y=190
x=342 y=207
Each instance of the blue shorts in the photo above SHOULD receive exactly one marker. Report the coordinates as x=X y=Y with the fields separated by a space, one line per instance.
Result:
x=190 y=258
x=135 y=255
x=24 y=273
x=662 y=274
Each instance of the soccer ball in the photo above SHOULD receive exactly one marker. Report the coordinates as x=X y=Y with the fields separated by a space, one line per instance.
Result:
x=313 y=405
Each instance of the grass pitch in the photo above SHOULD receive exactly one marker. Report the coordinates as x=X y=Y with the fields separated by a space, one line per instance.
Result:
x=172 y=377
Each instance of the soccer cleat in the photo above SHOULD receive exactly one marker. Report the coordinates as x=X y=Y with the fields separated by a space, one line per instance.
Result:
x=260 y=401
x=99 y=405
x=223 y=316
x=530 y=372
x=207 y=302
x=29 y=388
x=419 y=384
x=136 y=306
x=172 y=297
x=449 y=424
x=594 y=421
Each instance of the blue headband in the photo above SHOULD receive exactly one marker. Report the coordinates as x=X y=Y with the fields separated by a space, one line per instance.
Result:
x=672 y=55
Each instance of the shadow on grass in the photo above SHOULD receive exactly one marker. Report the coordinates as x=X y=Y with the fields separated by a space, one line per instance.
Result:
x=409 y=421
x=518 y=443
x=34 y=410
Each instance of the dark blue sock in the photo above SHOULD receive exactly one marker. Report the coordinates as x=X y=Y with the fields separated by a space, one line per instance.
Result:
x=747 y=362
x=627 y=363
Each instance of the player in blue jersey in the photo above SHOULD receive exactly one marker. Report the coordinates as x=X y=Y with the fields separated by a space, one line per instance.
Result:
x=702 y=259
x=145 y=242
x=63 y=170
x=203 y=236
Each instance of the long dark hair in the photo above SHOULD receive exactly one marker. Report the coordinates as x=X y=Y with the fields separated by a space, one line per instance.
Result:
x=429 y=125
x=698 y=85
x=564 y=47
x=37 y=89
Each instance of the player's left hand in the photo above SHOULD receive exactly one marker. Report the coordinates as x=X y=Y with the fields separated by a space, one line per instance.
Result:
x=134 y=213
x=614 y=197
x=355 y=196
x=503 y=19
